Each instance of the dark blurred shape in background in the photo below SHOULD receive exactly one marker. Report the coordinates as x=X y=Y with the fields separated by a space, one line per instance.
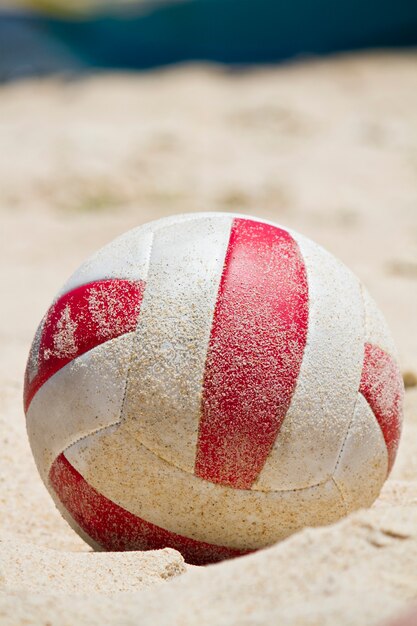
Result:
x=55 y=35
x=27 y=48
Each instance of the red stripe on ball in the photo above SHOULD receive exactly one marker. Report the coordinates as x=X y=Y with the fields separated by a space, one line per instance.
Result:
x=255 y=351
x=81 y=320
x=382 y=387
x=116 y=529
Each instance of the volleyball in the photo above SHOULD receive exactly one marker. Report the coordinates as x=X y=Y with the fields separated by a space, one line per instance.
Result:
x=212 y=383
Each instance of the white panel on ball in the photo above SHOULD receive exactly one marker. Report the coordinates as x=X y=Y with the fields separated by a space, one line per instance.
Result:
x=363 y=464
x=124 y=471
x=82 y=397
x=376 y=328
x=125 y=257
x=163 y=395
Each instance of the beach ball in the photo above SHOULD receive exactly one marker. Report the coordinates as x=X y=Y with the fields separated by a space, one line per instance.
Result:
x=212 y=383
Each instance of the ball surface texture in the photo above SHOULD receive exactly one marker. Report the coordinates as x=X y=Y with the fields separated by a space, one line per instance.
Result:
x=212 y=383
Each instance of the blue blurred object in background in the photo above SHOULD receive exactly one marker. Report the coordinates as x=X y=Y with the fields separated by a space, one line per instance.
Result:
x=28 y=49
x=147 y=34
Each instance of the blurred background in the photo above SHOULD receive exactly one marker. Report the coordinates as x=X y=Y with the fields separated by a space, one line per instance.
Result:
x=146 y=33
x=114 y=113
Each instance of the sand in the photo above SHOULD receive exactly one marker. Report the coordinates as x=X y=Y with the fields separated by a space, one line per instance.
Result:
x=326 y=147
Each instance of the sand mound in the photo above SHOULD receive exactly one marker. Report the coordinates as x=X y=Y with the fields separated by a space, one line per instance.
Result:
x=356 y=572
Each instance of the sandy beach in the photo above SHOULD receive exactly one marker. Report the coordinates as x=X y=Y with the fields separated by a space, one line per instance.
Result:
x=326 y=147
